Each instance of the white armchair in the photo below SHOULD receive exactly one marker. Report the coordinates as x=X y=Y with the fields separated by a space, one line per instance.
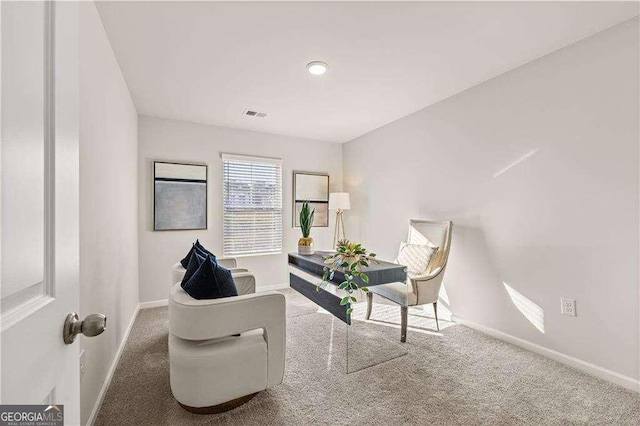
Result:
x=223 y=351
x=422 y=289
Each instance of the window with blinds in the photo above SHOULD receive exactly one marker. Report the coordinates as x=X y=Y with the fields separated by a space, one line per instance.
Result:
x=252 y=205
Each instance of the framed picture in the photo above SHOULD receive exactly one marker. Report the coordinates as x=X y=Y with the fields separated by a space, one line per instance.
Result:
x=312 y=187
x=179 y=196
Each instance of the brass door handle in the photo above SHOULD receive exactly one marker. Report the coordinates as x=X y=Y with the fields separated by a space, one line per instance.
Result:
x=92 y=325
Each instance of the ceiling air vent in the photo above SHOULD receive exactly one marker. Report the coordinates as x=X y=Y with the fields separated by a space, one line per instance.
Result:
x=252 y=113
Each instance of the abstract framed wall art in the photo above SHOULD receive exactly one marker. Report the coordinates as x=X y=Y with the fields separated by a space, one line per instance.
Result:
x=312 y=187
x=179 y=196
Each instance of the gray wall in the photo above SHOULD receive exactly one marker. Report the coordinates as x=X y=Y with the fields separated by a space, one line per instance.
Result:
x=172 y=140
x=108 y=202
x=563 y=222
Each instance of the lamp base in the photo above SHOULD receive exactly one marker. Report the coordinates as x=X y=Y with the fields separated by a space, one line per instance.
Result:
x=339 y=229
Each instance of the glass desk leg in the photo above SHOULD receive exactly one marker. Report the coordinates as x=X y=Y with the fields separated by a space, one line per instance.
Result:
x=370 y=343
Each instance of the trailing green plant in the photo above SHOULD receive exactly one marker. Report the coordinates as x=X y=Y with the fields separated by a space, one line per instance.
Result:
x=351 y=258
x=306 y=219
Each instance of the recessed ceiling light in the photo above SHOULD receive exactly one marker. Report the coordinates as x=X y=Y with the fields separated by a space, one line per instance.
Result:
x=317 y=67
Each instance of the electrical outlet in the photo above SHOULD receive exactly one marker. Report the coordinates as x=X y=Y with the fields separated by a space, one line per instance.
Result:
x=568 y=306
x=81 y=363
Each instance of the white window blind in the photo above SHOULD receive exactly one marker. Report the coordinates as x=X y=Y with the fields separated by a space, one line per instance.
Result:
x=252 y=205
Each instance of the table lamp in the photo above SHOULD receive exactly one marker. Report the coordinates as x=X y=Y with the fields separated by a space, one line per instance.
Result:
x=339 y=201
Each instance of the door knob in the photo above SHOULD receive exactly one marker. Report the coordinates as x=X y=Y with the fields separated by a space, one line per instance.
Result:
x=92 y=325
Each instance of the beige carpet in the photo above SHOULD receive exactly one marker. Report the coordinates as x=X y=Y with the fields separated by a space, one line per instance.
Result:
x=455 y=377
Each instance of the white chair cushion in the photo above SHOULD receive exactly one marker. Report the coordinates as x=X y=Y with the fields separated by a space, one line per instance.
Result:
x=400 y=293
x=416 y=257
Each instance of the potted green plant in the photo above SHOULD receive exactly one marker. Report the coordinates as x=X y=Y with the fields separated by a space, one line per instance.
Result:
x=351 y=257
x=305 y=244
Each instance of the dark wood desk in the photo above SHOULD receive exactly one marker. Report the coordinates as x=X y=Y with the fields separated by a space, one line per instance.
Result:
x=329 y=298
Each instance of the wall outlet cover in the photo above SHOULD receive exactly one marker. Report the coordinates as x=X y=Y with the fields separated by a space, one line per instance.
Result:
x=568 y=306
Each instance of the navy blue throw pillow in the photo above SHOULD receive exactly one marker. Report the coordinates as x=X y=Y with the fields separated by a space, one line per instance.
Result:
x=185 y=262
x=210 y=281
x=201 y=251
x=194 y=263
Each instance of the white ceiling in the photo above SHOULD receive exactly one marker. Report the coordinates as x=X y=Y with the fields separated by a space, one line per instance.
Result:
x=208 y=62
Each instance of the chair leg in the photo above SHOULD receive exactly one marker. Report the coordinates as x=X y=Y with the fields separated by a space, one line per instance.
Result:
x=369 y=304
x=435 y=311
x=403 y=323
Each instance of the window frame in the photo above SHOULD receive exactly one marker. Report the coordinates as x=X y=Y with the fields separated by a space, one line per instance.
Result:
x=252 y=159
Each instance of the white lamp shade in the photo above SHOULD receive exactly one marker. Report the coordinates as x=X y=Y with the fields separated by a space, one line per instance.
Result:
x=339 y=201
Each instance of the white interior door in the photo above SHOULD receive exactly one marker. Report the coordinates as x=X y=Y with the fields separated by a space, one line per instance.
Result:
x=39 y=203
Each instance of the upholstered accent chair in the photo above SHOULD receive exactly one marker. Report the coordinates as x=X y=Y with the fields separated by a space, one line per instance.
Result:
x=223 y=351
x=422 y=288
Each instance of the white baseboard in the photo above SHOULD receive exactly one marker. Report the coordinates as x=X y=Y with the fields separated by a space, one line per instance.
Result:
x=602 y=373
x=112 y=369
x=153 y=304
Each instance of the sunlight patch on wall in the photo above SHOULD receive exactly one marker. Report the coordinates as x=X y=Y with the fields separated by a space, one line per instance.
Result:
x=516 y=162
x=532 y=312
x=444 y=296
